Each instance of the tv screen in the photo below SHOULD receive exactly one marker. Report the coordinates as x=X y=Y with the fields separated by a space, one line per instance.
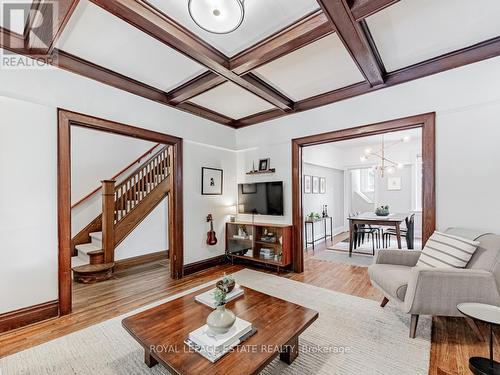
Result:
x=263 y=198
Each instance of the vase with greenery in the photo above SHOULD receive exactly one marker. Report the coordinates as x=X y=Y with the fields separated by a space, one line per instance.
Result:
x=382 y=211
x=226 y=284
x=313 y=216
x=221 y=319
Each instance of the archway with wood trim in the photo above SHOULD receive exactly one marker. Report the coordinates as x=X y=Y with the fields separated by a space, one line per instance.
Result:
x=424 y=121
x=68 y=119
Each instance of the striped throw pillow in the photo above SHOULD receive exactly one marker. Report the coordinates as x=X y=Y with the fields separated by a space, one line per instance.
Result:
x=446 y=251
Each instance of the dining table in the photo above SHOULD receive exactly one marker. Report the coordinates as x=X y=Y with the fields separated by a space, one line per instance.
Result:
x=370 y=218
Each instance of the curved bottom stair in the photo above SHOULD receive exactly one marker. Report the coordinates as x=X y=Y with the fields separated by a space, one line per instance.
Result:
x=93 y=273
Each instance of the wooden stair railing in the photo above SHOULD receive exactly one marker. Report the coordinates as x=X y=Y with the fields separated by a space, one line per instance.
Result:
x=124 y=206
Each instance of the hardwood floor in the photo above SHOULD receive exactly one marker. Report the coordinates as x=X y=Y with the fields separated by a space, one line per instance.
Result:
x=453 y=342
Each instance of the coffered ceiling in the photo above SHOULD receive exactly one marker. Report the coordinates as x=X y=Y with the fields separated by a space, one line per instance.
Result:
x=282 y=60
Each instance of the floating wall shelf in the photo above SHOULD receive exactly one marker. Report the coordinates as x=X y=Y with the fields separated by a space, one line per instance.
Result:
x=272 y=170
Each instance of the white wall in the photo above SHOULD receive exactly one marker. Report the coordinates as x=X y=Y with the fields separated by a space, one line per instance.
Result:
x=28 y=205
x=96 y=156
x=150 y=236
x=467 y=103
x=197 y=206
x=30 y=263
x=333 y=197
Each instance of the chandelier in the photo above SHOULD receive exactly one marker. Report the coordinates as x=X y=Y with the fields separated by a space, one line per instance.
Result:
x=217 y=16
x=384 y=163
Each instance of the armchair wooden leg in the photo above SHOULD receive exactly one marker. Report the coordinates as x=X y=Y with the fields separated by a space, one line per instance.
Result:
x=413 y=325
x=384 y=302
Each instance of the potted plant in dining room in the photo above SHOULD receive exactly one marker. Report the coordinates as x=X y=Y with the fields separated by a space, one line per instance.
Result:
x=382 y=211
x=221 y=319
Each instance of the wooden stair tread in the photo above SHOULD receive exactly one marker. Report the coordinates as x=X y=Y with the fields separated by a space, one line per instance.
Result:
x=93 y=268
x=95 y=252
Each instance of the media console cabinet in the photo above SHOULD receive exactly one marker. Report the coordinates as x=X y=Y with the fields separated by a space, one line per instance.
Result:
x=267 y=244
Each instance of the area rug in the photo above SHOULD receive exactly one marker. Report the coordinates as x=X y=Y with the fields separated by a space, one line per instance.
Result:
x=366 y=247
x=351 y=336
x=360 y=260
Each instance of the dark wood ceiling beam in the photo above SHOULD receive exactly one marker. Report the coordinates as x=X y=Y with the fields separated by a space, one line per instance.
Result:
x=87 y=69
x=151 y=21
x=298 y=35
x=465 y=56
x=12 y=41
x=206 y=113
x=364 y=8
x=49 y=32
x=194 y=87
x=354 y=39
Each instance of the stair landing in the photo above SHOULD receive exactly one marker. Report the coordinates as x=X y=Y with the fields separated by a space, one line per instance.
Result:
x=93 y=273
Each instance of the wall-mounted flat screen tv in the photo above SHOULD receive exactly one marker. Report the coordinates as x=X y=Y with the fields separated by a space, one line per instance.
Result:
x=262 y=198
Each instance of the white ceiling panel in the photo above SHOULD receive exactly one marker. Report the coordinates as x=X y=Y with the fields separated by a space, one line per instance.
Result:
x=262 y=18
x=97 y=36
x=321 y=66
x=412 y=31
x=14 y=14
x=231 y=100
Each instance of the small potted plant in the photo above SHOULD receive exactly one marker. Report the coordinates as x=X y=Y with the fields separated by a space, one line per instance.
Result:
x=226 y=284
x=382 y=211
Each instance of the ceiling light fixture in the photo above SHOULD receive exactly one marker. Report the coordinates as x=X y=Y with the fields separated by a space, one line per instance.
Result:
x=386 y=165
x=217 y=16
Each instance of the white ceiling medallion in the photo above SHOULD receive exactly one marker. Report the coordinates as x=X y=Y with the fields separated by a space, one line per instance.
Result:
x=217 y=16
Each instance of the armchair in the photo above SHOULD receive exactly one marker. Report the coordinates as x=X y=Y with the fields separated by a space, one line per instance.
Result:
x=437 y=291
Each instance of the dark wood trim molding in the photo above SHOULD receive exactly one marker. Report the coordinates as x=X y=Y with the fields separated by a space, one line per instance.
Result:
x=207 y=113
x=67 y=119
x=43 y=9
x=194 y=87
x=354 y=39
x=364 y=8
x=140 y=260
x=465 y=56
x=424 y=121
x=204 y=264
x=28 y=315
x=305 y=31
x=153 y=22
x=342 y=16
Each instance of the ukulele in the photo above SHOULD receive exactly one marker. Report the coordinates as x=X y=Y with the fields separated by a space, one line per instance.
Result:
x=211 y=239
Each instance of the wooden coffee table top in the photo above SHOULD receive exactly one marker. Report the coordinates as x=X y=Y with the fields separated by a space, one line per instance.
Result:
x=278 y=323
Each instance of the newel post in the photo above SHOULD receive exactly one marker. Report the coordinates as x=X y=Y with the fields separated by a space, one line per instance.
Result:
x=108 y=220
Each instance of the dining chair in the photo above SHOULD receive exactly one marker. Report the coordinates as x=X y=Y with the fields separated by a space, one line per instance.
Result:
x=408 y=233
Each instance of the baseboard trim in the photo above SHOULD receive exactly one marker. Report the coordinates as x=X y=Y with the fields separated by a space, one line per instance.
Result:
x=141 y=259
x=204 y=264
x=28 y=315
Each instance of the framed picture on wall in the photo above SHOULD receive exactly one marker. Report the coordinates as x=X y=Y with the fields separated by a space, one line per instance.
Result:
x=307 y=184
x=315 y=184
x=322 y=185
x=394 y=183
x=211 y=181
x=264 y=164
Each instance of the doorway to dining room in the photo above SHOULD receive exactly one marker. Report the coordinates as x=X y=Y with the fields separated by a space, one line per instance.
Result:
x=374 y=184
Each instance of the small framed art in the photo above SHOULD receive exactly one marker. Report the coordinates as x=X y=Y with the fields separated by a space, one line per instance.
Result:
x=307 y=184
x=211 y=181
x=315 y=184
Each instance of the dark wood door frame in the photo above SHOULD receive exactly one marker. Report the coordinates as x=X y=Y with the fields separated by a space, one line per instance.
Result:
x=67 y=119
x=424 y=121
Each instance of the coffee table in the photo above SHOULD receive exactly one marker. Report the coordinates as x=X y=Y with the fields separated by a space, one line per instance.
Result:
x=487 y=314
x=161 y=331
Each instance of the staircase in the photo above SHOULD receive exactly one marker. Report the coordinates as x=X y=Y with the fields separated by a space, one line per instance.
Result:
x=124 y=207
